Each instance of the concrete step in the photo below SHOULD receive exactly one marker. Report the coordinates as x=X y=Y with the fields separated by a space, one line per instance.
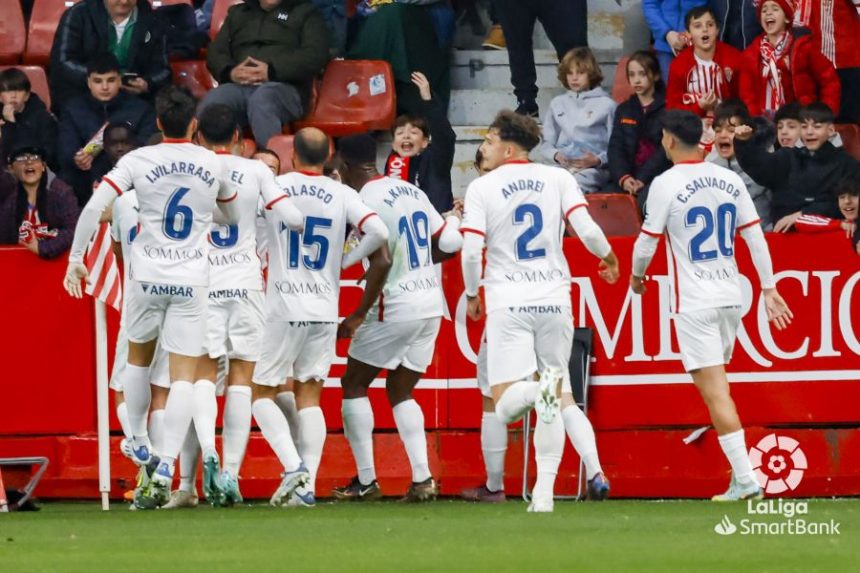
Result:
x=479 y=107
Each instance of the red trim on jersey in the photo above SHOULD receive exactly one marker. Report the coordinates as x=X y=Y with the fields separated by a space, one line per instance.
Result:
x=690 y=162
x=574 y=208
x=230 y=198
x=223 y=152
x=442 y=228
x=750 y=224
x=468 y=230
x=674 y=275
x=650 y=234
x=112 y=184
x=175 y=140
x=273 y=201
x=363 y=219
x=308 y=173
x=381 y=307
x=516 y=162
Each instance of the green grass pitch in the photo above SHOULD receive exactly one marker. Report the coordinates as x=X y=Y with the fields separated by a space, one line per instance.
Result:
x=451 y=536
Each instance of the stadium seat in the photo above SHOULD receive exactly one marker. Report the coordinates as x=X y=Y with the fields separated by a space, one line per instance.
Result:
x=850 y=134
x=43 y=25
x=193 y=75
x=616 y=213
x=219 y=13
x=621 y=89
x=38 y=81
x=355 y=96
x=13 y=33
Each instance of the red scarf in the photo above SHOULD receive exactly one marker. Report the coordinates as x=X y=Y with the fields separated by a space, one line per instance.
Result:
x=770 y=56
x=32 y=227
x=397 y=167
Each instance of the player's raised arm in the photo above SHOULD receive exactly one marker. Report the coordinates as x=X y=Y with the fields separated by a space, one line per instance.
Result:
x=592 y=236
x=373 y=231
x=474 y=229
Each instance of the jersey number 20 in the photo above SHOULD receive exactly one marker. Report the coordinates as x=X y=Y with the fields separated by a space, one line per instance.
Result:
x=724 y=220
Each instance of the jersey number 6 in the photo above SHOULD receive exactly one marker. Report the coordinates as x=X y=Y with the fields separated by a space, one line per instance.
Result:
x=177 y=218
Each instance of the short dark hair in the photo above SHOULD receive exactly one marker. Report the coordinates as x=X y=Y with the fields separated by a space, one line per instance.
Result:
x=788 y=111
x=111 y=127
x=728 y=109
x=517 y=128
x=358 y=149
x=698 y=12
x=683 y=124
x=310 y=150
x=217 y=123
x=175 y=107
x=817 y=112
x=414 y=120
x=849 y=184
x=14 y=80
x=333 y=164
x=103 y=63
x=267 y=151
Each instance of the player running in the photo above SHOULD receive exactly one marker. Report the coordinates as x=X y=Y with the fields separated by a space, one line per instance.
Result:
x=518 y=211
x=700 y=206
x=399 y=332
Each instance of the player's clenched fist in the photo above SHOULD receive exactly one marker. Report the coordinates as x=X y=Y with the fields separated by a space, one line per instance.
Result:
x=72 y=281
x=350 y=324
x=608 y=269
x=474 y=308
x=743 y=132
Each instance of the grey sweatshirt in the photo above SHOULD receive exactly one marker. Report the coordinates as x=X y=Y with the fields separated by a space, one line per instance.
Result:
x=578 y=122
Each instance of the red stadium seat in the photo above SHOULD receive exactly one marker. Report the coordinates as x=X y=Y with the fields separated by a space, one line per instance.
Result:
x=38 y=81
x=13 y=33
x=283 y=146
x=219 y=14
x=355 y=96
x=850 y=133
x=193 y=75
x=621 y=89
x=616 y=213
x=43 y=25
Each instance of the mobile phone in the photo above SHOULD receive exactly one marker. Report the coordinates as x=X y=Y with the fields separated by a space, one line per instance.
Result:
x=128 y=77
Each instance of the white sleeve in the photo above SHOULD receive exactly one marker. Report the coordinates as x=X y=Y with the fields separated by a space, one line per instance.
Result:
x=470 y=260
x=449 y=238
x=474 y=214
x=754 y=237
x=643 y=251
x=274 y=197
x=589 y=232
x=656 y=208
x=104 y=195
x=115 y=230
x=371 y=227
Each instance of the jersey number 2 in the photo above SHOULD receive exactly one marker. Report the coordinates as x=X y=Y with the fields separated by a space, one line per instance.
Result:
x=533 y=213
x=724 y=221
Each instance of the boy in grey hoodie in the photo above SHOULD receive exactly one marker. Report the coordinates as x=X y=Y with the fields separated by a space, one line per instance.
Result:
x=577 y=127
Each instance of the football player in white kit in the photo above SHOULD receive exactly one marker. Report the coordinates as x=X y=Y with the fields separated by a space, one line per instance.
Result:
x=302 y=306
x=699 y=206
x=399 y=333
x=518 y=210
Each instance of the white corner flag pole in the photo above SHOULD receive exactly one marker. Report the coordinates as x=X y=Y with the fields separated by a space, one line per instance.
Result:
x=102 y=400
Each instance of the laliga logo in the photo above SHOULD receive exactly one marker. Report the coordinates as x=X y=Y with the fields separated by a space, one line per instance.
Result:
x=778 y=462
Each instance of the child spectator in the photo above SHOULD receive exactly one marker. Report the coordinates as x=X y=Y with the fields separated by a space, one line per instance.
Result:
x=802 y=179
x=666 y=20
x=635 y=153
x=37 y=210
x=706 y=73
x=729 y=115
x=423 y=148
x=784 y=65
x=848 y=196
x=577 y=127
x=787 y=121
x=25 y=120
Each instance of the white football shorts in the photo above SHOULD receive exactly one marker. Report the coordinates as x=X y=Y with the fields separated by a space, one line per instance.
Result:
x=176 y=315
x=707 y=337
x=483 y=379
x=392 y=344
x=234 y=326
x=159 y=372
x=301 y=350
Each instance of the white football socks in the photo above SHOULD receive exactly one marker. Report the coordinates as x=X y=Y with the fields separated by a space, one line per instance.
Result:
x=549 y=443
x=205 y=411
x=177 y=419
x=313 y=434
x=122 y=416
x=237 y=427
x=358 y=427
x=276 y=430
x=494 y=445
x=518 y=399
x=188 y=461
x=735 y=448
x=156 y=429
x=287 y=403
x=138 y=395
x=410 y=425
x=581 y=435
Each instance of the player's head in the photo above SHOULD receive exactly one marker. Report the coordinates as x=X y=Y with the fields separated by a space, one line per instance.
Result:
x=729 y=114
x=118 y=140
x=174 y=112
x=579 y=71
x=103 y=76
x=816 y=125
x=787 y=119
x=701 y=24
x=775 y=16
x=510 y=137
x=411 y=135
x=847 y=193
x=310 y=149
x=682 y=131
x=269 y=157
x=643 y=73
x=358 y=155
x=333 y=168
x=217 y=126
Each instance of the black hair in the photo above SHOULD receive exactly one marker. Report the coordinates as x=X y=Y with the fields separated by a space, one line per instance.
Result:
x=728 y=109
x=358 y=149
x=415 y=121
x=333 y=164
x=217 y=123
x=111 y=127
x=103 y=63
x=683 y=124
x=267 y=151
x=698 y=12
x=517 y=128
x=788 y=111
x=849 y=184
x=175 y=107
x=14 y=80
x=312 y=150
x=817 y=112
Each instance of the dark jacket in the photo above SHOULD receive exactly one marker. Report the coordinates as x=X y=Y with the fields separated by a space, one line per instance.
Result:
x=34 y=126
x=800 y=180
x=738 y=21
x=631 y=124
x=430 y=170
x=83 y=33
x=292 y=39
x=81 y=118
x=55 y=204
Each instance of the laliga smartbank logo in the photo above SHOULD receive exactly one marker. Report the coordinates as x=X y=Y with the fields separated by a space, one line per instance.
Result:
x=779 y=463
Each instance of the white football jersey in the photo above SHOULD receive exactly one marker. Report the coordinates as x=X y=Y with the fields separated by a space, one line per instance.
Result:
x=304 y=268
x=124 y=226
x=412 y=290
x=520 y=208
x=233 y=259
x=177 y=184
x=700 y=206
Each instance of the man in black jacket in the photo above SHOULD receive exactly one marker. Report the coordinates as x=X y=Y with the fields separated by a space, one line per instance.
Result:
x=802 y=179
x=84 y=118
x=128 y=29
x=265 y=57
x=25 y=120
